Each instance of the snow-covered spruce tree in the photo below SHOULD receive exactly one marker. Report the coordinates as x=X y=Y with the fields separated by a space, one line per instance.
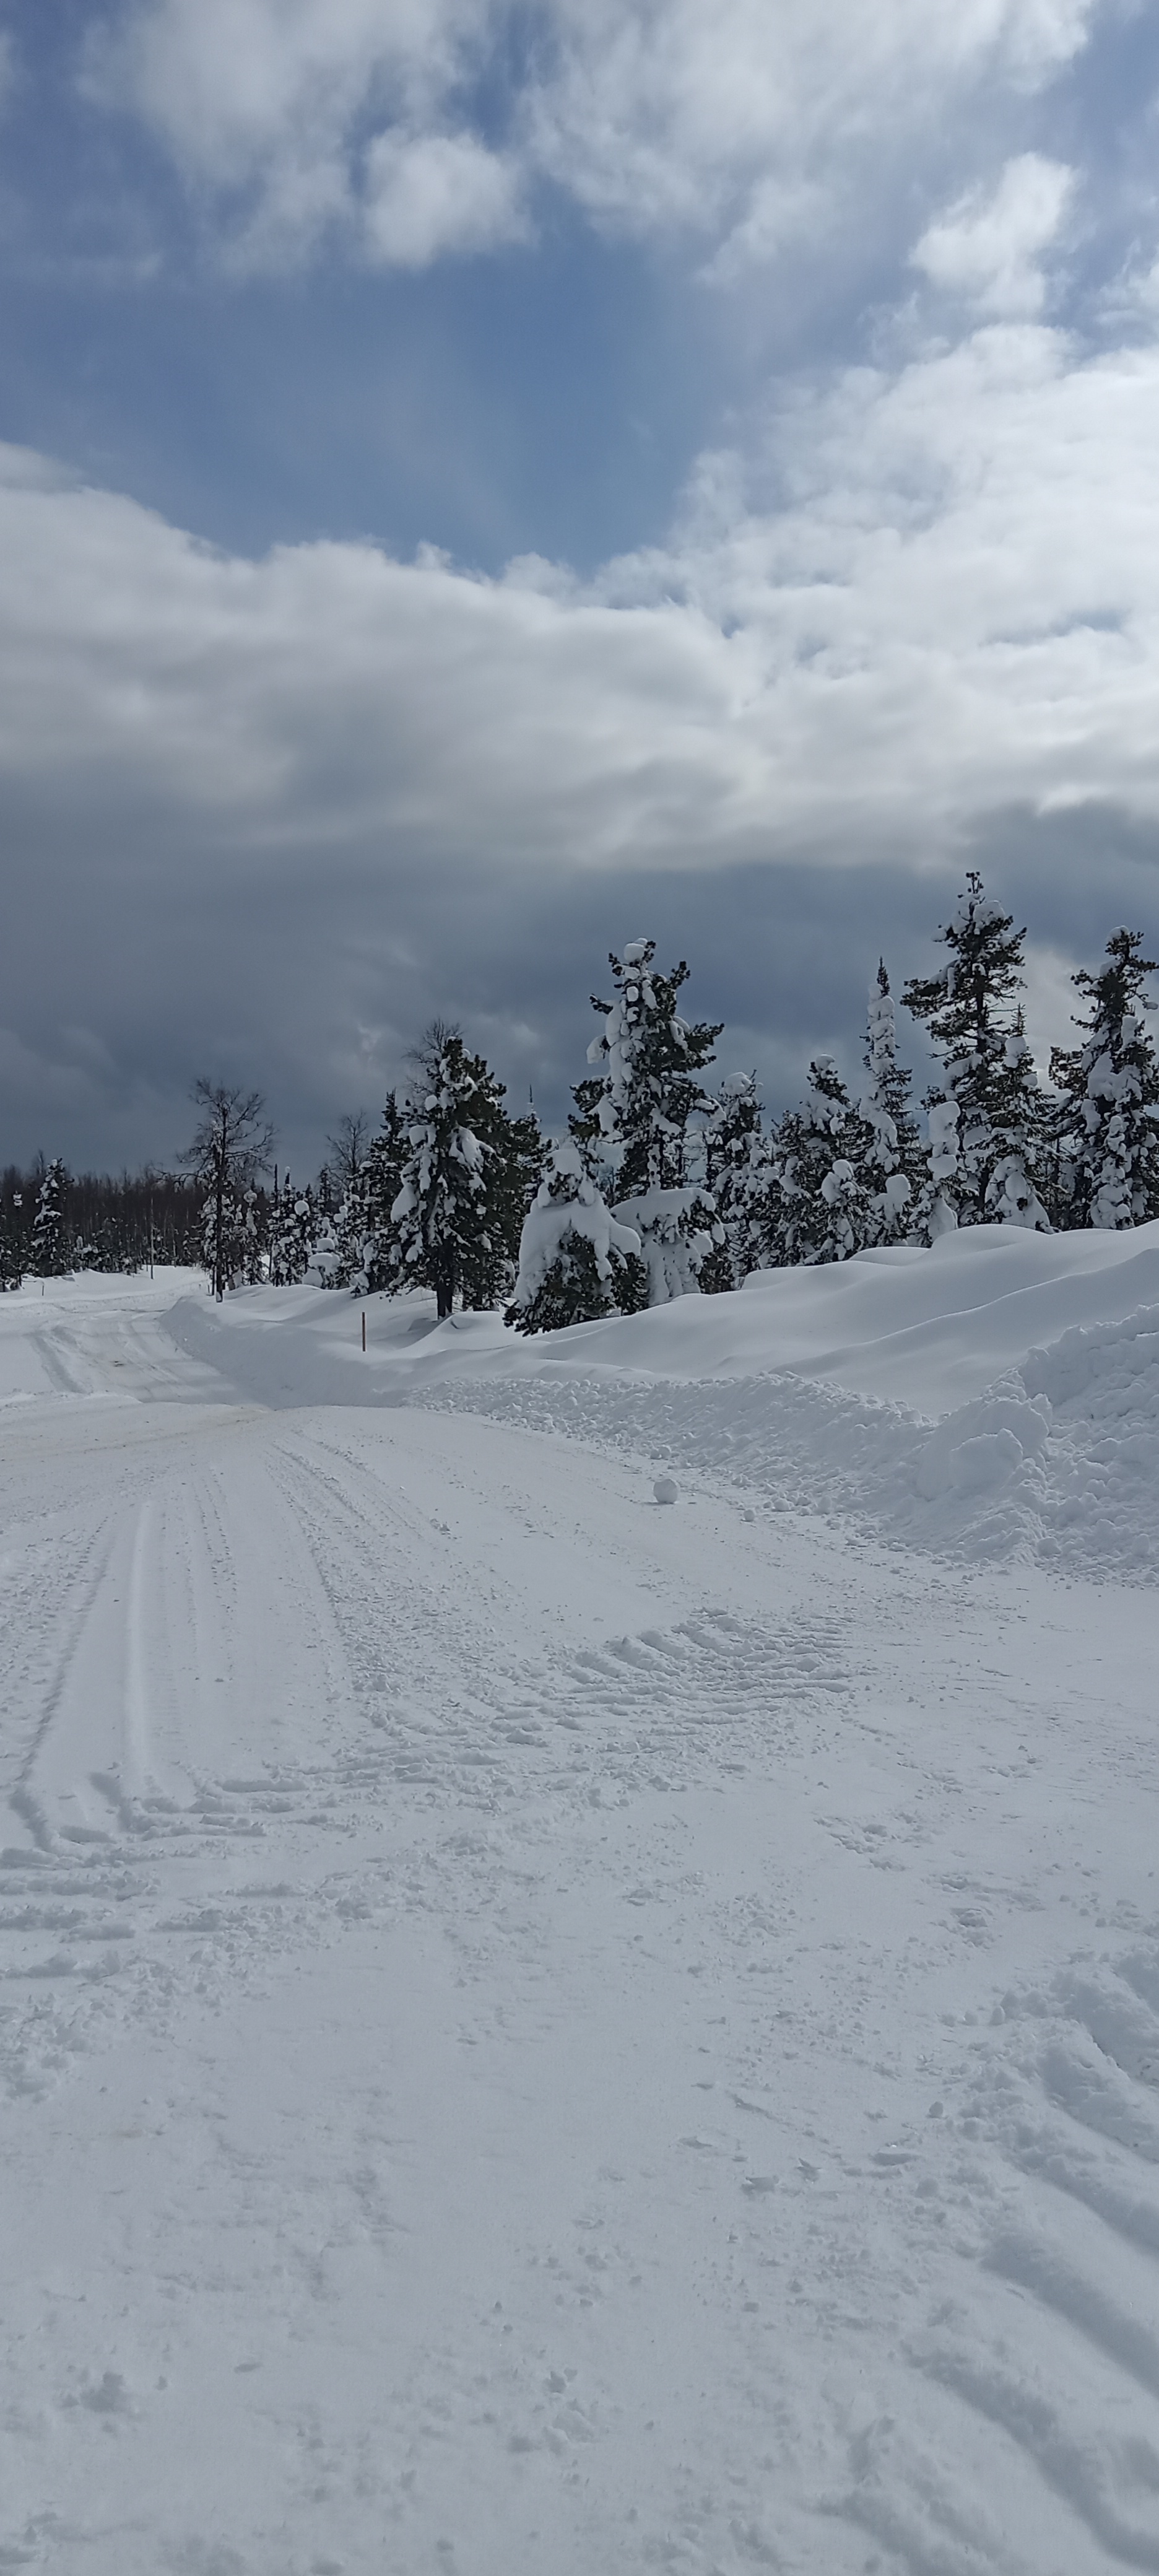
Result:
x=815 y=1206
x=515 y=1169
x=381 y=1183
x=636 y=1115
x=49 y=1246
x=230 y=1146
x=576 y=1261
x=1109 y=1111
x=254 y=1238
x=987 y=1119
x=353 y=1238
x=893 y=1169
x=467 y=1171
x=293 y=1227
x=736 y=1171
x=441 y=1194
x=516 y=1152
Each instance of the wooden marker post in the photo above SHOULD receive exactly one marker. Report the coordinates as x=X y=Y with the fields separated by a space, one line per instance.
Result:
x=364 y=1328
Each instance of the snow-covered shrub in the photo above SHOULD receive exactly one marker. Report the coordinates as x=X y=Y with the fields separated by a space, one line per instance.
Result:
x=577 y=1262
x=817 y=1207
x=324 y=1268
x=673 y=1229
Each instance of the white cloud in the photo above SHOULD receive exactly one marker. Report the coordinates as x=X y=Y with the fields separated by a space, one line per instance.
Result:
x=269 y=103
x=946 y=628
x=678 y=112
x=743 y=121
x=231 y=85
x=437 y=193
x=1050 y=1001
x=988 y=247
x=955 y=614
x=1130 y=301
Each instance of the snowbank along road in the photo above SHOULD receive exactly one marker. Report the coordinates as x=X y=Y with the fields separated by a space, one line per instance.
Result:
x=544 y=2032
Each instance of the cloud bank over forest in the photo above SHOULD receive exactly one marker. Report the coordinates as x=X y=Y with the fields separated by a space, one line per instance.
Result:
x=266 y=810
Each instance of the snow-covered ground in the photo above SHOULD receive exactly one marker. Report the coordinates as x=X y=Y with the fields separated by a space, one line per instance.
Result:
x=543 y=2033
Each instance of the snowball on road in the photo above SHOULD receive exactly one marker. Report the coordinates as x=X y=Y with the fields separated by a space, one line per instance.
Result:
x=541 y=2033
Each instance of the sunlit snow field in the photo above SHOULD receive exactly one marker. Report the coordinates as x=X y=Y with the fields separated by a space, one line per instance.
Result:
x=543 y=2033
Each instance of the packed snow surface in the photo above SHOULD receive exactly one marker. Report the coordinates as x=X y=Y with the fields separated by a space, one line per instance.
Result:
x=540 y=2032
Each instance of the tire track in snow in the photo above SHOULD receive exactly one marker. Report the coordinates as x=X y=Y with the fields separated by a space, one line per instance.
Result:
x=1040 y=2354
x=1012 y=2377
x=84 y=1581
x=441 y=1710
x=129 y=1814
x=459 y=1711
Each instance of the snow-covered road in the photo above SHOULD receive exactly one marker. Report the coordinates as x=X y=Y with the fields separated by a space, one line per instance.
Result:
x=541 y=2032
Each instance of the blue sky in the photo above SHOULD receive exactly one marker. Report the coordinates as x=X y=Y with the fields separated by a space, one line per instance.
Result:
x=485 y=482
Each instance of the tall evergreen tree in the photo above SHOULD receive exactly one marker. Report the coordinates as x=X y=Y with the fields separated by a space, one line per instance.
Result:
x=892 y=1168
x=736 y=1172
x=639 y=1114
x=990 y=1153
x=514 y=1170
x=49 y=1239
x=381 y=1182
x=1109 y=1112
x=353 y=1236
x=467 y=1172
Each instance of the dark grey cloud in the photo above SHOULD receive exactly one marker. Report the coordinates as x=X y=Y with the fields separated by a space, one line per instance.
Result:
x=132 y=965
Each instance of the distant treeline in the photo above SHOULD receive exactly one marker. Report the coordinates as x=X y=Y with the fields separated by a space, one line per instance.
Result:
x=101 y=1221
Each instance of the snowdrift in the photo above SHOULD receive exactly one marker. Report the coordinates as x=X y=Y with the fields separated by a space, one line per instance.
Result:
x=997 y=1396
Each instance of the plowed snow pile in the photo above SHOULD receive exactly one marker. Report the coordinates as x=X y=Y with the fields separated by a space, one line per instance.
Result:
x=1057 y=1461
x=815 y=1387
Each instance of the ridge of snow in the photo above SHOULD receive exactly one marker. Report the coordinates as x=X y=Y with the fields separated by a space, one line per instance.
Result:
x=997 y=1397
